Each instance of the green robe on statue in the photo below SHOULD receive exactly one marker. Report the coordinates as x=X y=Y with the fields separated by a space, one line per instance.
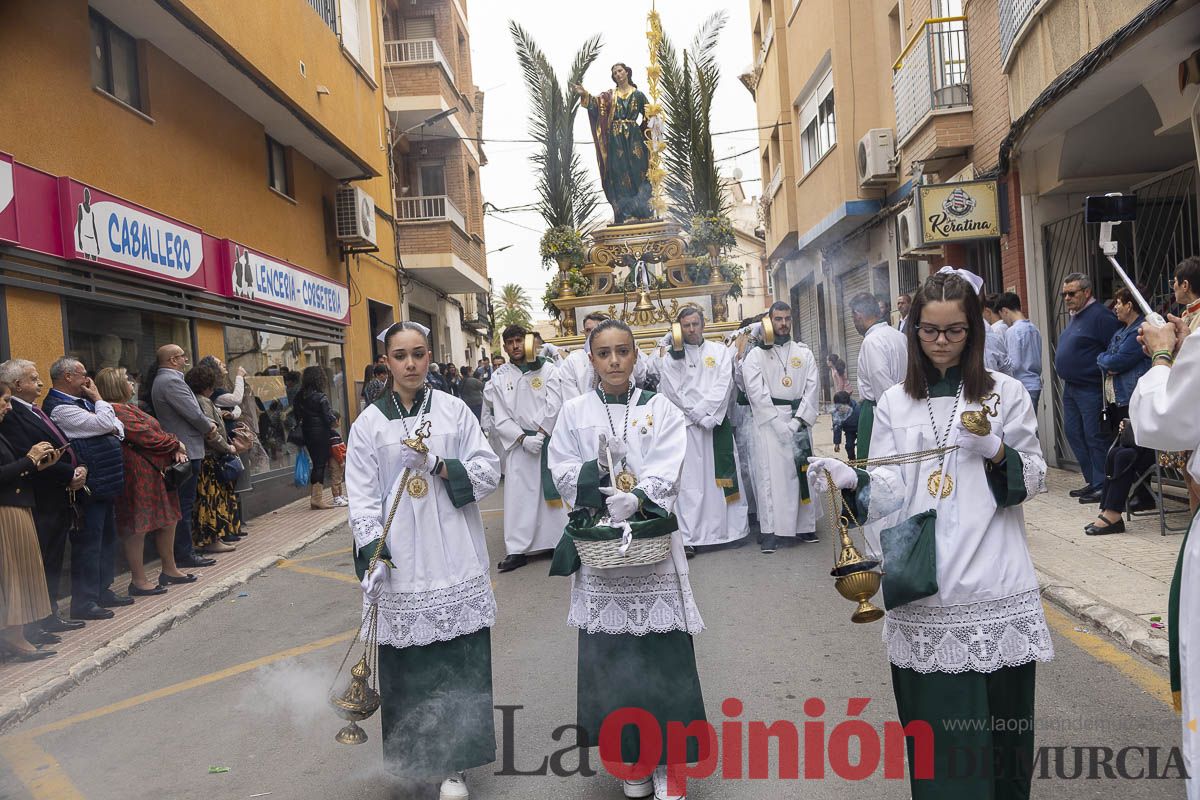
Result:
x=622 y=152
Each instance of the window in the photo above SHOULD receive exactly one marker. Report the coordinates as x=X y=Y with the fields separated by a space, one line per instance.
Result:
x=431 y=178
x=418 y=28
x=279 y=174
x=109 y=336
x=817 y=124
x=267 y=358
x=115 y=62
x=356 y=32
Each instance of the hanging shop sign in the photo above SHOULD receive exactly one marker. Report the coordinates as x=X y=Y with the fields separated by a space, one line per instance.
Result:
x=956 y=212
x=107 y=230
x=8 y=200
x=257 y=278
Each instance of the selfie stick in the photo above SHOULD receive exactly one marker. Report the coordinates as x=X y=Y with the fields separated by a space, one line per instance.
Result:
x=1109 y=248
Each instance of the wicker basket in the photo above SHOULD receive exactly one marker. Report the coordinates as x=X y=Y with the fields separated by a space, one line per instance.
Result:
x=606 y=554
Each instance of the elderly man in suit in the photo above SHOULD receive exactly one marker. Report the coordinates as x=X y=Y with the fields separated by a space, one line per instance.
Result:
x=179 y=413
x=25 y=426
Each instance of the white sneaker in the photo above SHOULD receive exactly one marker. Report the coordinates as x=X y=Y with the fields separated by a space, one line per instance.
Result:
x=642 y=788
x=341 y=501
x=454 y=788
x=660 y=786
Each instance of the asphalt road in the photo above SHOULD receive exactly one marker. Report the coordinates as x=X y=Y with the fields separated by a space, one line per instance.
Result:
x=242 y=686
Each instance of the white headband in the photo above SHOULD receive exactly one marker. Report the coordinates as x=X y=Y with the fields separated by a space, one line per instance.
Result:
x=968 y=276
x=383 y=333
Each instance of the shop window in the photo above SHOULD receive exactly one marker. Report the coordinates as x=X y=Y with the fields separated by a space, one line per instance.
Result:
x=817 y=123
x=279 y=173
x=115 y=62
x=268 y=358
x=112 y=336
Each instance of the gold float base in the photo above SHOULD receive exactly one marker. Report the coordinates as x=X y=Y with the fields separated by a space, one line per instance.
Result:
x=351 y=734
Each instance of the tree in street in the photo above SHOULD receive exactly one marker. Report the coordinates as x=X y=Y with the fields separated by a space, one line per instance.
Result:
x=513 y=307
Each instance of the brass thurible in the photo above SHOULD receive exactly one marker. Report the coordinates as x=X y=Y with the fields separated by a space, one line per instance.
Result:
x=856 y=578
x=977 y=422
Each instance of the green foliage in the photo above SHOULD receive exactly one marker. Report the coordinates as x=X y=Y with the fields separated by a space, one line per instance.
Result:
x=693 y=182
x=580 y=285
x=705 y=230
x=562 y=241
x=566 y=196
x=731 y=272
x=512 y=307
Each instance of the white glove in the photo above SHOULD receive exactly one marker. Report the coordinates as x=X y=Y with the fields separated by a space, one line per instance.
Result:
x=411 y=459
x=621 y=505
x=374 y=582
x=608 y=445
x=844 y=476
x=795 y=424
x=533 y=444
x=985 y=446
x=694 y=416
x=782 y=431
x=709 y=422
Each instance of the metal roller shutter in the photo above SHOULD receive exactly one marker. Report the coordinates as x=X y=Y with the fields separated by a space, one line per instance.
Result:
x=849 y=284
x=808 y=320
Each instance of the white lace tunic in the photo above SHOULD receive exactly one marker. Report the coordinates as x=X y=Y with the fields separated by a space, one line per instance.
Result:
x=651 y=599
x=440 y=586
x=987 y=613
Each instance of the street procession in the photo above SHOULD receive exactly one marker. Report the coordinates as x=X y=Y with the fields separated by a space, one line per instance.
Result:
x=652 y=399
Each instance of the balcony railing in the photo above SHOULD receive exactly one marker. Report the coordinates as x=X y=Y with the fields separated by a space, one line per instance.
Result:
x=327 y=9
x=933 y=73
x=416 y=51
x=1013 y=14
x=774 y=184
x=430 y=208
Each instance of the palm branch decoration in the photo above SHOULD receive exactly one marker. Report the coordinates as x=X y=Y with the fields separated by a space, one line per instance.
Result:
x=566 y=196
x=693 y=181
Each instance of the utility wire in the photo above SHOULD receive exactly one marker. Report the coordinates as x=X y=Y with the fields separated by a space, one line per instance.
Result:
x=421 y=135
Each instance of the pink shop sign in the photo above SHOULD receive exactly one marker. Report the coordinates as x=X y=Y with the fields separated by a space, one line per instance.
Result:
x=258 y=278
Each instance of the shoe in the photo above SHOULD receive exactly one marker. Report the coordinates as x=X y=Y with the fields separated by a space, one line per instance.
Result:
x=689 y=551
x=15 y=654
x=511 y=562
x=660 y=786
x=41 y=637
x=1139 y=504
x=1081 y=492
x=341 y=502
x=1104 y=530
x=642 y=788
x=217 y=547
x=231 y=540
x=1093 y=497
x=194 y=562
x=56 y=624
x=768 y=543
x=454 y=788
x=91 y=611
x=110 y=600
x=136 y=592
x=167 y=580
x=316 y=497
x=809 y=538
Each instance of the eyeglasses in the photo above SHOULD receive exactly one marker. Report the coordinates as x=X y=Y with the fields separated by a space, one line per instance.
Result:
x=930 y=333
x=1071 y=293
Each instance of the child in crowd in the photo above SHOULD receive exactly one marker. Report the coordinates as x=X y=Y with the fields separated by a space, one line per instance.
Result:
x=337 y=463
x=845 y=420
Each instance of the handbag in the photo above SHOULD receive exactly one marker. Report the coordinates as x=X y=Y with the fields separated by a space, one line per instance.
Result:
x=173 y=475
x=910 y=559
x=230 y=468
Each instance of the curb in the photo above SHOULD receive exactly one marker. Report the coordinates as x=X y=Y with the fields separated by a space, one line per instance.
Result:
x=14 y=709
x=1128 y=630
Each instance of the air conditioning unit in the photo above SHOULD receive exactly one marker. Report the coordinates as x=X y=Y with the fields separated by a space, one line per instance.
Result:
x=355 y=213
x=908 y=233
x=876 y=152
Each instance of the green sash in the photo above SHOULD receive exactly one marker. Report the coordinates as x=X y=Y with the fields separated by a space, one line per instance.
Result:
x=866 y=421
x=549 y=490
x=801 y=450
x=1173 y=624
x=725 y=466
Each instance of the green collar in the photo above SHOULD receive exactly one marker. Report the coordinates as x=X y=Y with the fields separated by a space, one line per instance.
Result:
x=394 y=410
x=611 y=399
x=537 y=364
x=943 y=385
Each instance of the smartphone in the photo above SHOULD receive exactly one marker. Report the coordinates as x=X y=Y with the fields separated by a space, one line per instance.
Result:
x=1110 y=208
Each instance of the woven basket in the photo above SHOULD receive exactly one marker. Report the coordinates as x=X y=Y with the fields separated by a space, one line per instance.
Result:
x=606 y=554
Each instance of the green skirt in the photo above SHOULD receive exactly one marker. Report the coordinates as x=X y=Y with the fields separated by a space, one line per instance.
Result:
x=655 y=672
x=437 y=706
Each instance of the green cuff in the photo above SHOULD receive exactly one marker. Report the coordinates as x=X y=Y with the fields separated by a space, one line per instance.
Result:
x=856 y=499
x=587 y=490
x=1007 y=479
x=362 y=557
x=458 y=484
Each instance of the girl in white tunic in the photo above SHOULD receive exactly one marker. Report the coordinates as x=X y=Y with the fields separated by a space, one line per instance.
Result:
x=635 y=623
x=963 y=658
x=431 y=583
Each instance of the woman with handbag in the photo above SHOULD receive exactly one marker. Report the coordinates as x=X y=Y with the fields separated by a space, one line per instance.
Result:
x=315 y=417
x=635 y=622
x=417 y=513
x=147 y=504
x=216 y=521
x=964 y=626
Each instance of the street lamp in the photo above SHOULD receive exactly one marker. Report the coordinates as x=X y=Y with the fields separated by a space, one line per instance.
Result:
x=438 y=117
x=498 y=250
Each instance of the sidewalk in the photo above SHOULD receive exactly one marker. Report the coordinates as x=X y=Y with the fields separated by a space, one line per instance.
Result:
x=1114 y=583
x=24 y=687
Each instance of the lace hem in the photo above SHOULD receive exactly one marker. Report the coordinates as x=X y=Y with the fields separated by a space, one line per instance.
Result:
x=660 y=491
x=1033 y=470
x=639 y=605
x=973 y=637
x=413 y=619
x=366 y=530
x=568 y=484
x=484 y=479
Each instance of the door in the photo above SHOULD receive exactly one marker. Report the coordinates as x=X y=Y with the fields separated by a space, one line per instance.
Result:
x=426 y=319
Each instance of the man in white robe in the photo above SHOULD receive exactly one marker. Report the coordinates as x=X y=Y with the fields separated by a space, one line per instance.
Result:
x=882 y=362
x=574 y=375
x=710 y=508
x=1163 y=414
x=781 y=384
x=743 y=429
x=534 y=516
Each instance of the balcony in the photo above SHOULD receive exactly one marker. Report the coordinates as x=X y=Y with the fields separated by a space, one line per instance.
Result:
x=402 y=52
x=436 y=246
x=1013 y=16
x=429 y=208
x=932 y=77
x=774 y=184
x=768 y=37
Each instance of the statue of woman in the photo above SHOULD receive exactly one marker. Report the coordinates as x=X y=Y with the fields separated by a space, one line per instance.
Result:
x=621 y=150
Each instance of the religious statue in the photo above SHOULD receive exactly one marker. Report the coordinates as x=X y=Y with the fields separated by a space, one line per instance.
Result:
x=621 y=149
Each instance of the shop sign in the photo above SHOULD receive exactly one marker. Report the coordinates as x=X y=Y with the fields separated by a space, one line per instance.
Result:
x=257 y=278
x=955 y=212
x=108 y=230
x=8 y=200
